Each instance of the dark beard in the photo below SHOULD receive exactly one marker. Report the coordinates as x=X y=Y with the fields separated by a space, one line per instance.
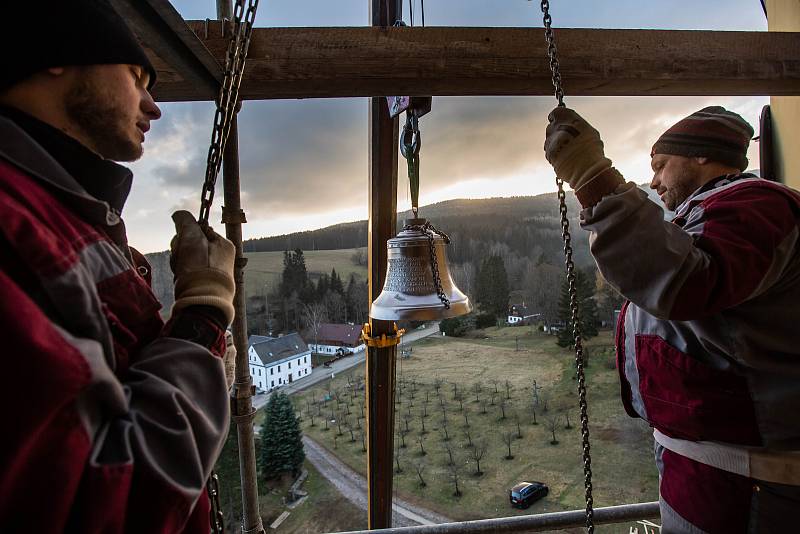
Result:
x=101 y=121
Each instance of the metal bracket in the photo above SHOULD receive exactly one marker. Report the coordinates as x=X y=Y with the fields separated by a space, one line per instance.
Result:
x=383 y=340
x=230 y=216
x=419 y=105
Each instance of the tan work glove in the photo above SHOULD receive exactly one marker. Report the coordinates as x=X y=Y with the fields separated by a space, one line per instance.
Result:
x=229 y=358
x=574 y=149
x=202 y=263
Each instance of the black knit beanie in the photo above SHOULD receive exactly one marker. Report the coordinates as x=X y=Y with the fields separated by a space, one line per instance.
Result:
x=712 y=132
x=58 y=33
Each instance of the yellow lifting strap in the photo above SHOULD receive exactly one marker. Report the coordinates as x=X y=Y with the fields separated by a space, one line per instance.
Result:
x=383 y=340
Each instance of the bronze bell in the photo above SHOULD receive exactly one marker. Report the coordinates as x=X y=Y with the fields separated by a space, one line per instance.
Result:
x=418 y=284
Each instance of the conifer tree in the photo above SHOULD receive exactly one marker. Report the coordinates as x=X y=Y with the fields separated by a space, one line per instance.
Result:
x=281 y=439
x=492 y=286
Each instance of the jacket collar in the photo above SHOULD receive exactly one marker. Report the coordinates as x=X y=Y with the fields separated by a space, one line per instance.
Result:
x=20 y=149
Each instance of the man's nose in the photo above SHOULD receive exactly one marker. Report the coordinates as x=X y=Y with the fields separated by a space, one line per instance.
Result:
x=150 y=108
x=654 y=182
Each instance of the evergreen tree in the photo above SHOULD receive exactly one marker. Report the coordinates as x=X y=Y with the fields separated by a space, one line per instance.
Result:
x=492 y=286
x=294 y=278
x=336 y=283
x=323 y=285
x=281 y=439
x=587 y=318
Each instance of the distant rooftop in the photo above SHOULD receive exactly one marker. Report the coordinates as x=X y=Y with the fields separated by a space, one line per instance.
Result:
x=275 y=349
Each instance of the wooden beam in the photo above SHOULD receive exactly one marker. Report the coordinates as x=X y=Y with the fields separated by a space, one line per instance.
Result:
x=375 y=61
x=185 y=69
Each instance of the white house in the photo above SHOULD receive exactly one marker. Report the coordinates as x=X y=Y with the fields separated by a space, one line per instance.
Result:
x=278 y=361
x=337 y=339
x=519 y=315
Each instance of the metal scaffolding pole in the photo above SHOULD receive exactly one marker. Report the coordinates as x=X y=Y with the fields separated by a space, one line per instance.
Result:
x=380 y=362
x=242 y=410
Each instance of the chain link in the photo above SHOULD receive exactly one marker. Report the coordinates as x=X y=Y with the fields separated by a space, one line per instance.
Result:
x=429 y=230
x=552 y=52
x=217 y=517
x=572 y=285
x=228 y=99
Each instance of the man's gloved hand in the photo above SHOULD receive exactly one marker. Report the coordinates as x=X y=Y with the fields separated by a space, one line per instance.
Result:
x=202 y=264
x=574 y=149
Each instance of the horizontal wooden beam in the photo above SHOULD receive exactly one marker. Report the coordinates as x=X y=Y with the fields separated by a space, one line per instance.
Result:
x=185 y=68
x=357 y=62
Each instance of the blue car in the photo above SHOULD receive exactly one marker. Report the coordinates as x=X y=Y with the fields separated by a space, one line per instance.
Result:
x=525 y=493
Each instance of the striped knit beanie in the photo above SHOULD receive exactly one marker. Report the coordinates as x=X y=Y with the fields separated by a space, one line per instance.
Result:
x=713 y=132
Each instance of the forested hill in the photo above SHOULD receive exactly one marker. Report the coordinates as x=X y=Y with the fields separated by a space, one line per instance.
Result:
x=526 y=225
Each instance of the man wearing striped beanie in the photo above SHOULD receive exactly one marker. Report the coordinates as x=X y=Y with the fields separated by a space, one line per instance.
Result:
x=706 y=343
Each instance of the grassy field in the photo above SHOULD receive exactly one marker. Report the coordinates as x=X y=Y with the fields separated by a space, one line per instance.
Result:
x=263 y=271
x=623 y=466
x=311 y=517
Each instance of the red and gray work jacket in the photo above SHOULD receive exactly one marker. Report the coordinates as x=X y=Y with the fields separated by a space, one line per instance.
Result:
x=708 y=346
x=109 y=423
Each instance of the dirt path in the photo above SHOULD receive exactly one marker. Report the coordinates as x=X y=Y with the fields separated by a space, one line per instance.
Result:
x=353 y=487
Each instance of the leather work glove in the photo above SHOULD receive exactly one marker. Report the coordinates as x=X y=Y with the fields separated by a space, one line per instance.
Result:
x=574 y=149
x=202 y=264
x=229 y=358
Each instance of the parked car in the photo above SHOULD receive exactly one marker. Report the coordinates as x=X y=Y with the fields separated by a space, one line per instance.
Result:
x=525 y=493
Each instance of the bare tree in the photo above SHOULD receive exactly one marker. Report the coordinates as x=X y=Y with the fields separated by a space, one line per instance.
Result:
x=477 y=454
x=483 y=406
x=339 y=424
x=420 y=467
x=468 y=434
x=567 y=425
x=363 y=442
x=503 y=407
x=466 y=418
x=449 y=450
x=446 y=436
x=476 y=388
x=437 y=384
x=311 y=416
x=493 y=395
x=397 y=453
x=403 y=433
x=533 y=412
x=508 y=437
x=421 y=442
x=542 y=286
x=519 y=428
x=350 y=429
x=494 y=382
x=551 y=421
x=455 y=473
x=313 y=317
x=422 y=423
x=407 y=417
x=455 y=390
x=509 y=387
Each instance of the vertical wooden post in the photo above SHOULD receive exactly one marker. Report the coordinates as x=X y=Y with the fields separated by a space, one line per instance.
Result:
x=380 y=362
x=242 y=410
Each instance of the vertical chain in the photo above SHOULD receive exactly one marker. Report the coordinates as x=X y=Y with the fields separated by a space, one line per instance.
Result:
x=217 y=517
x=429 y=230
x=228 y=99
x=552 y=52
x=579 y=357
x=574 y=305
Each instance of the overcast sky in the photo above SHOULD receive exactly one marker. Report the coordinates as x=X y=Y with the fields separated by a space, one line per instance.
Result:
x=304 y=162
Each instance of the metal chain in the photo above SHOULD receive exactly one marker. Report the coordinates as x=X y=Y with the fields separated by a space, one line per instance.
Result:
x=429 y=230
x=217 y=517
x=227 y=99
x=552 y=52
x=572 y=285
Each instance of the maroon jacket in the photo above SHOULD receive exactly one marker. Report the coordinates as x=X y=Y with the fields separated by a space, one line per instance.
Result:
x=112 y=424
x=708 y=346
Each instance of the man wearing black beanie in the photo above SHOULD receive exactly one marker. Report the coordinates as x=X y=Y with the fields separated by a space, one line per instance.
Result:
x=707 y=346
x=114 y=419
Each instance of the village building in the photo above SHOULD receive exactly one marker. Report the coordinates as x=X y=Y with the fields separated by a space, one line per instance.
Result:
x=277 y=361
x=519 y=315
x=337 y=339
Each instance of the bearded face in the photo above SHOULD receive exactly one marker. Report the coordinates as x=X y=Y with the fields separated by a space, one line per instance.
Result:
x=110 y=109
x=675 y=178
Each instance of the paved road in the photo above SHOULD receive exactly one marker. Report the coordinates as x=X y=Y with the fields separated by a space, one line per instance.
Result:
x=318 y=374
x=353 y=487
